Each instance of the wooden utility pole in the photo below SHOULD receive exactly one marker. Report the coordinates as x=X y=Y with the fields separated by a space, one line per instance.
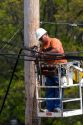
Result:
x=31 y=23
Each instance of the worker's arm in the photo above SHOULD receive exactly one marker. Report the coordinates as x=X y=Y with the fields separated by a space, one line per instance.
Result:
x=53 y=50
x=56 y=47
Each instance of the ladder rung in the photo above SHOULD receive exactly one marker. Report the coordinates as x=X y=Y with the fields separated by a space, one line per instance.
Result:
x=66 y=86
x=41 y=101
x=78 y=68
x=70 y=100
x=58 y=86
x=47 y=98
x=48 y=86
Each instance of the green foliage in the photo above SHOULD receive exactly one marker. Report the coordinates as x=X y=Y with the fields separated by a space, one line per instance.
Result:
x=64 y=12
x=11 y=40
x=11 y=15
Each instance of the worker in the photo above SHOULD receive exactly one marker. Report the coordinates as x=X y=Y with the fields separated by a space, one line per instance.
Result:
x=51 y=45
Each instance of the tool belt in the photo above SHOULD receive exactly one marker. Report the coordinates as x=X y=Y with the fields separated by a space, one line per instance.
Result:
x=49 y=70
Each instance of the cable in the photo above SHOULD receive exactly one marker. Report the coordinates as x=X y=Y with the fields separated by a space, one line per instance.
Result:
x=67 y=55
x=45 y=58
x=52 y=54
x=10 y=39
x=62 y=23
x=40 y=59
x=5 y=97
x=14 y=69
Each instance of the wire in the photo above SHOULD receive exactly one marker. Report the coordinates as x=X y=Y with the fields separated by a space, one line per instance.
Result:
x=44 y=58
x=10 y=39
x=15 y=66
x=5 y=97
x=52 y=54
x=41 y=55
x=75 y=52
x=62 y=23
x=14 y=69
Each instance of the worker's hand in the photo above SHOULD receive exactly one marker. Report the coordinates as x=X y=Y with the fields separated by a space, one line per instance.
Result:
x=40 y=54
x=34 y=48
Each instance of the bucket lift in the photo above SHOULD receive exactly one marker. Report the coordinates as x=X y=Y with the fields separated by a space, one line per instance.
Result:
x=70 y=99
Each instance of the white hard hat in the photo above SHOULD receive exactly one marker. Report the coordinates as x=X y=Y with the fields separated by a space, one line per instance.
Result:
x=40 y=32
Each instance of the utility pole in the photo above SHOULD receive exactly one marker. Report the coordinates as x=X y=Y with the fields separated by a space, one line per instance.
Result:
x=31 y=23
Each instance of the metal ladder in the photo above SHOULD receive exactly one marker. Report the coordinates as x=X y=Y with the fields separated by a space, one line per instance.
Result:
x=66 y=109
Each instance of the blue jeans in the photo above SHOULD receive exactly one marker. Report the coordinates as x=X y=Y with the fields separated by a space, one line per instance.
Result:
x=52 y=93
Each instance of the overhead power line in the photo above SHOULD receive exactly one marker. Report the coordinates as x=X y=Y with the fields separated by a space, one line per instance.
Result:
x=16 y=63
x=11 y=38
x=62 y=23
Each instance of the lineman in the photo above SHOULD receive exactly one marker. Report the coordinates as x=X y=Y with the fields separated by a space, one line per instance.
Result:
x=52 y=45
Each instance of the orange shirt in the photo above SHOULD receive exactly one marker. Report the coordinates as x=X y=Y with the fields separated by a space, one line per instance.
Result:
x=54 y=44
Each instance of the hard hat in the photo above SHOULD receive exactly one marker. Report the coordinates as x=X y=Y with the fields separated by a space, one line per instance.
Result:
x=40 y=32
